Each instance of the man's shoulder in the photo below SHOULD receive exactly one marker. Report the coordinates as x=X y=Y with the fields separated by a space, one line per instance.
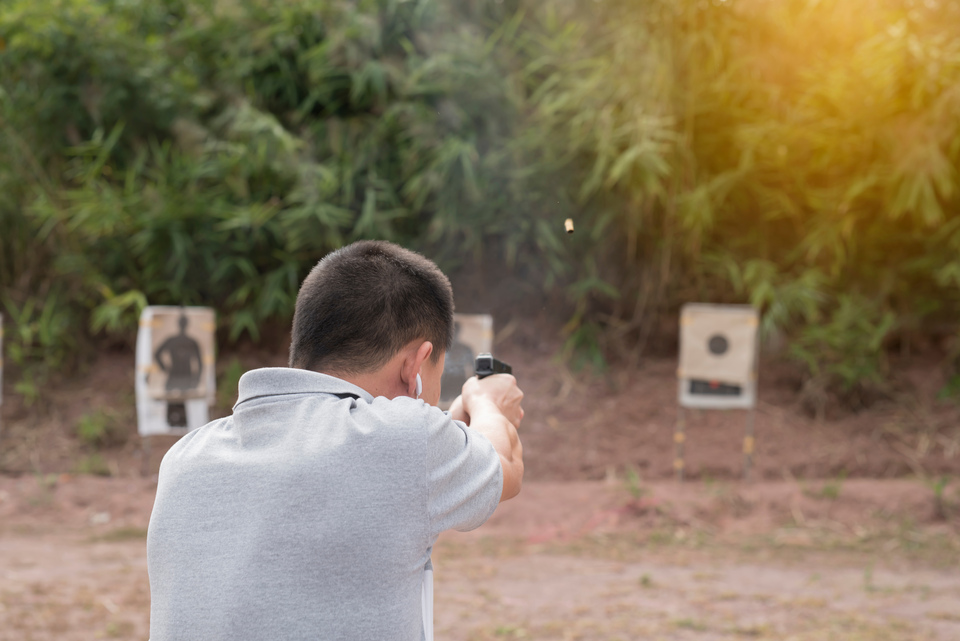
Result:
x=405 y=405
x=407 y=413
x=194 y=438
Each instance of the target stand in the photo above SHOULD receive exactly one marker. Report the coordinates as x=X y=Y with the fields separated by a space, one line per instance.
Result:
x=175 y=383
x=718 y=370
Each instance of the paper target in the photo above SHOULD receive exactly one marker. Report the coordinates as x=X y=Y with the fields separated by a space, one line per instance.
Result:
x=473 y=334
x=175 y=381
x=718 y=356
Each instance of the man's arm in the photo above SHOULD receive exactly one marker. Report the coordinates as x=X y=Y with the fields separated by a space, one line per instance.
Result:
x=492 y=407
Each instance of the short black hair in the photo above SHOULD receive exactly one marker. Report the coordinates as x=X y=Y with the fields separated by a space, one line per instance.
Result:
x=363 y=303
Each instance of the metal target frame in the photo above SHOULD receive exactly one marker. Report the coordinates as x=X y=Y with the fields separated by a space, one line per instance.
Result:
x=707 y=381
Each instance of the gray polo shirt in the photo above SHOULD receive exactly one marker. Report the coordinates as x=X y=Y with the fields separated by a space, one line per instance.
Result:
x=310 y=513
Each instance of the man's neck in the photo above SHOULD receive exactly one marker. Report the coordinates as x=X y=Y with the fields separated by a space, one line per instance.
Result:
x=385 y=381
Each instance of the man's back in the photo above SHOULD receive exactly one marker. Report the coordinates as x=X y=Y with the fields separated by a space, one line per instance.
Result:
x=310 y=513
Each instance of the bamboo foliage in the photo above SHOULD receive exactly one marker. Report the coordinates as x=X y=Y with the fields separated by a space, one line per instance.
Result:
x=798 y=155
x=276 y=134
x=801 y=155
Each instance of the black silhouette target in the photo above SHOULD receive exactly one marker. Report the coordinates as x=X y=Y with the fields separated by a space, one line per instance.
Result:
x=473 y=335
x=175 y=381
x=180 y=359
x=181 y=355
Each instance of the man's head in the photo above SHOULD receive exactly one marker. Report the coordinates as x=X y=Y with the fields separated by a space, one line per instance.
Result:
x=362 y=304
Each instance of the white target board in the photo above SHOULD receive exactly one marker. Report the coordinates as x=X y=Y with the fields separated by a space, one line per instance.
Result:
x=473 y=334
x=176 y=380
x=718 y=356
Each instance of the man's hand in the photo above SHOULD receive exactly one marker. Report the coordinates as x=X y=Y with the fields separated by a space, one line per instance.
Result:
x=492 y=407
x=500 y=390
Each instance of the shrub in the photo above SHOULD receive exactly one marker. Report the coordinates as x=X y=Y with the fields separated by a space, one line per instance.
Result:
x=795 y=156
x=102 y=428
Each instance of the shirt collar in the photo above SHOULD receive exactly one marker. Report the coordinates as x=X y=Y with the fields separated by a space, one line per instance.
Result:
x=278 y=381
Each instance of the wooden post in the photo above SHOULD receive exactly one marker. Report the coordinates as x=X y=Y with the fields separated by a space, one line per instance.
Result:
x=749 y=443
x=679 y=438
x=145 y=455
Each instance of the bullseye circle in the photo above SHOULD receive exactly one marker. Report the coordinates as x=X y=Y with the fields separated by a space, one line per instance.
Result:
x=718 y=345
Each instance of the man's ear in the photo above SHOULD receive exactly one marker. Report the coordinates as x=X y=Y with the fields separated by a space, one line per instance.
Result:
x=412 y=364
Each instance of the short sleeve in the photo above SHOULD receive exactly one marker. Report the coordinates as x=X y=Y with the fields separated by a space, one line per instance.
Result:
x=464 y=475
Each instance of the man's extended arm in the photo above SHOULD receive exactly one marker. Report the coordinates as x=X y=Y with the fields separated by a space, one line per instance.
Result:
x=492 y=407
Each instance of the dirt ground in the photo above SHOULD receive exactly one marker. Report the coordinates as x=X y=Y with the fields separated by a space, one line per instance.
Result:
x=866 y=560
x=849 y=528
x=578 y=426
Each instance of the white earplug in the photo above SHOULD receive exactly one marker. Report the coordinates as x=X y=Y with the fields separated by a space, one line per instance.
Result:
x=419 y=386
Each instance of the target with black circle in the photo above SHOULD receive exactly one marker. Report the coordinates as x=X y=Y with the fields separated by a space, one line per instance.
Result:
x=717 y=368
x=718 y=352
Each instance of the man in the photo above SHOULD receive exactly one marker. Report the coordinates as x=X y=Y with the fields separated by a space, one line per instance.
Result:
x=311 y=512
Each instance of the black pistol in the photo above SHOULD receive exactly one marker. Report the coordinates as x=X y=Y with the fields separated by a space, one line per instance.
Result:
x=487 y=365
